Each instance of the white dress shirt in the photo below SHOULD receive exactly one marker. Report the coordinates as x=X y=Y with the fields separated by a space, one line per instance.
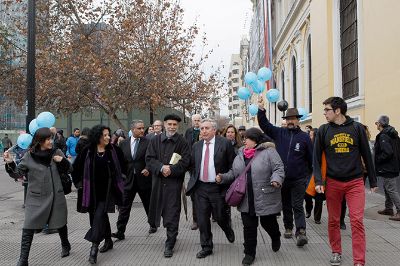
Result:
x=211 y=167
x=133 y=143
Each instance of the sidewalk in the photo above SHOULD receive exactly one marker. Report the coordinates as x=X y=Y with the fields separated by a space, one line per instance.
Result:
x=140 y=248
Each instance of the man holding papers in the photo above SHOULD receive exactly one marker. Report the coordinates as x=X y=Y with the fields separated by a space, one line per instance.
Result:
x=168 y=157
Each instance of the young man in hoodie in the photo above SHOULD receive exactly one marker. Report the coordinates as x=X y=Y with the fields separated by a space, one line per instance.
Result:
x=387 y=165
x=295 y=149
x=344 y=143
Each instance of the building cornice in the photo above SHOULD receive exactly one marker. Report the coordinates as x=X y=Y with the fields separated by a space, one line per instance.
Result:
x=290 y=19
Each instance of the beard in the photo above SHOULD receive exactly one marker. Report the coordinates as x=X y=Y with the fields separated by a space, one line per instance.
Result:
x=170 y=133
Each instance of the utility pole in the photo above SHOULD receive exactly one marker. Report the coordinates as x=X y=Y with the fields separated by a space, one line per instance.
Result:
x=30 y=74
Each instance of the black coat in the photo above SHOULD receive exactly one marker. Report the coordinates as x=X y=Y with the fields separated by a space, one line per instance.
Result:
x=168 y=191
x=224 y=154
x=189 y=137
x=136 y=165
x=115 y=197
x=386 y=162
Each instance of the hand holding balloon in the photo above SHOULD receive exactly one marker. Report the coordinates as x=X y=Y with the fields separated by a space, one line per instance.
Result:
x=261 y=103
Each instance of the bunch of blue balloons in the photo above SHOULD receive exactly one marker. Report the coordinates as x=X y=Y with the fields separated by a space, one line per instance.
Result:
x=44 y=119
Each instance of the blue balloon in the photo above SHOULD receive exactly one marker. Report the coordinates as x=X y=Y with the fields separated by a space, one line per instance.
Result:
x=253 y=109
x=250 y=78
x=24 y=140
x=243 y=93
x=264 y=74
x=258 y=87
x=130 y=133
x=45 y=119
x=33 y=126
x=303 y=112
x=273 y=95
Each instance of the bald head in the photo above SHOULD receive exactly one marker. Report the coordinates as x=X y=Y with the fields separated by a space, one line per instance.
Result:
x=196 y=119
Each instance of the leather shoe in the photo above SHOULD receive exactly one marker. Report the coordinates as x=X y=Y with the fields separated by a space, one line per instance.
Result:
x=119 y=235
x=386 y=212
x=168 y=252
x=230 y=235
x=108 y=244
x=152 y=230
x=93 y=253
x=203 y=253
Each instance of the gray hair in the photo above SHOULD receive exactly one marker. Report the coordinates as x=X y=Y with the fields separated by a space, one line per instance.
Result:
x=212 y=121
x=135 y=122
x=383 y=120
x=196 y=115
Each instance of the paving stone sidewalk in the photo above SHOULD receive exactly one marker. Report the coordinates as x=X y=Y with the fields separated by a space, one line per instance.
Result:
x=140 y=248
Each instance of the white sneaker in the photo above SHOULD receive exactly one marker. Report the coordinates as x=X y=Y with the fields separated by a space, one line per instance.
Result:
x=336 y=259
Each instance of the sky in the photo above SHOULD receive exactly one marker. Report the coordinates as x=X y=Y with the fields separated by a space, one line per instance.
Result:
x=224 y=22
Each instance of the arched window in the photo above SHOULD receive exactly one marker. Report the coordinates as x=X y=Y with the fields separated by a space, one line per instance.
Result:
x=309 y=75
x=294 y=82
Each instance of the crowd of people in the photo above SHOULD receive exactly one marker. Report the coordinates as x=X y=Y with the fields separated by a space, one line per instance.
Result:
x=283 y=166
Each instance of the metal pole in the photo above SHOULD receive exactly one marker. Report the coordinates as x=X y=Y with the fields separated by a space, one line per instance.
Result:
x=30 y=74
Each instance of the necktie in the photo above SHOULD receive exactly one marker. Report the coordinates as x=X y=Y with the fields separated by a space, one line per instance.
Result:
x=135 y=147
x=206 y=159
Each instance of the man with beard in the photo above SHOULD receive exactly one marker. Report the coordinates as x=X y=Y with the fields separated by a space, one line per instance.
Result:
x=168 y=158
x=295 y=149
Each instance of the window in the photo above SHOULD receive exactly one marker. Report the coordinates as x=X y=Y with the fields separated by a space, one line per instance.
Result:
x=235 y=71
x=235 y=89
x=283 y=84
x=235 y=98
x=349 y=48
x=294 y=82
x=235 y=80
x=309 y=75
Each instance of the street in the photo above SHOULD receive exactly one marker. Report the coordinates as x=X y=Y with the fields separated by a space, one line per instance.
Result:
x=140 y=248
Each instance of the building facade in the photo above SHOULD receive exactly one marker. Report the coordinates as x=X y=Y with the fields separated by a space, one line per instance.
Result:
x=338 y=48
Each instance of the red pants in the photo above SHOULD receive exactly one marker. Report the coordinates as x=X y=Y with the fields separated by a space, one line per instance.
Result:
x=354 y=192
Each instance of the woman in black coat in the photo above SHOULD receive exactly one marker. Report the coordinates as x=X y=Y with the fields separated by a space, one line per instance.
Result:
x=99 y=170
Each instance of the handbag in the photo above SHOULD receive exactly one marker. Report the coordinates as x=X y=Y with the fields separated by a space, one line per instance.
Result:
x=237 y=190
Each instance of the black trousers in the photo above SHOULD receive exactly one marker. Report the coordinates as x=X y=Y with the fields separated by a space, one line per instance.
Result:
x=210 y=199
x=292 y=203
x=100 y=228
x=125 y=209
x=194 y=213
x=319 y=200
x=250 y=225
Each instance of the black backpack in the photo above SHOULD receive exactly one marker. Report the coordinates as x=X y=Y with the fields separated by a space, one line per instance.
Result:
x=396 y=149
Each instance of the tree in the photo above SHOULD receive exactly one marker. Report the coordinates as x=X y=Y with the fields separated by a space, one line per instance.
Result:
x=117 y=56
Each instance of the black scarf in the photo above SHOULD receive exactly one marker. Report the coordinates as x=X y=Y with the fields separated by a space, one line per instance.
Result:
x=43 y=156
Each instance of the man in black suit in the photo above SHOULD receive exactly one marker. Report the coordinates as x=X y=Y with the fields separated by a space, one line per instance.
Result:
x=192 y=136
x=211 y=156
x=138 y=177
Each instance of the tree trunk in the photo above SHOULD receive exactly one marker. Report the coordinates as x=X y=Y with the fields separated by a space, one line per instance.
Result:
x=116 y=120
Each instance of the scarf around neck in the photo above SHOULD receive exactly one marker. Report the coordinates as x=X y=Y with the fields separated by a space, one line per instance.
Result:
x=249 y=153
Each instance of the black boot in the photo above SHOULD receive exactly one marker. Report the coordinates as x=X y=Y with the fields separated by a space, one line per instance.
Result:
x=108 y=244
x=93 y=253
x=26 y=242
x=65 y=245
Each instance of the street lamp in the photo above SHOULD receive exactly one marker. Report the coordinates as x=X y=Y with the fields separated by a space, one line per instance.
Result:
x=30 y=73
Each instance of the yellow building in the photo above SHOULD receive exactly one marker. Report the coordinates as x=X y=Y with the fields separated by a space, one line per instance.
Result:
x=345 y=48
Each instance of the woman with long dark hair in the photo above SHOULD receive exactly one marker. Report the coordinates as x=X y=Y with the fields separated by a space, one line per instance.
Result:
x=45 y=200
x=99 y=169
x=232 y=134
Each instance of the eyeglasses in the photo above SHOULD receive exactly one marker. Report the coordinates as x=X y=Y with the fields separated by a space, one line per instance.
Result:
x=327 y=110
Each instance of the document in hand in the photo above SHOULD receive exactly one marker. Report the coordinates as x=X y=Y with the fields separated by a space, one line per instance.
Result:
x=175 y=158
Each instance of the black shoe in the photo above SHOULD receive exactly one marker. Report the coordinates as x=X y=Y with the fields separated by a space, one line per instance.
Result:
x=203 y=253
x=317 y=221
x=22 y=263
x=93 y=253
x=152 y=230
x=108 y=244
x=194 y=226
x=119 y=235
x=342 y=226
x=230 y=235
x=276 y=244
x=65 y=250
x=168 y=252
x=247 y=260
x=308 y=215
x=50 y=231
